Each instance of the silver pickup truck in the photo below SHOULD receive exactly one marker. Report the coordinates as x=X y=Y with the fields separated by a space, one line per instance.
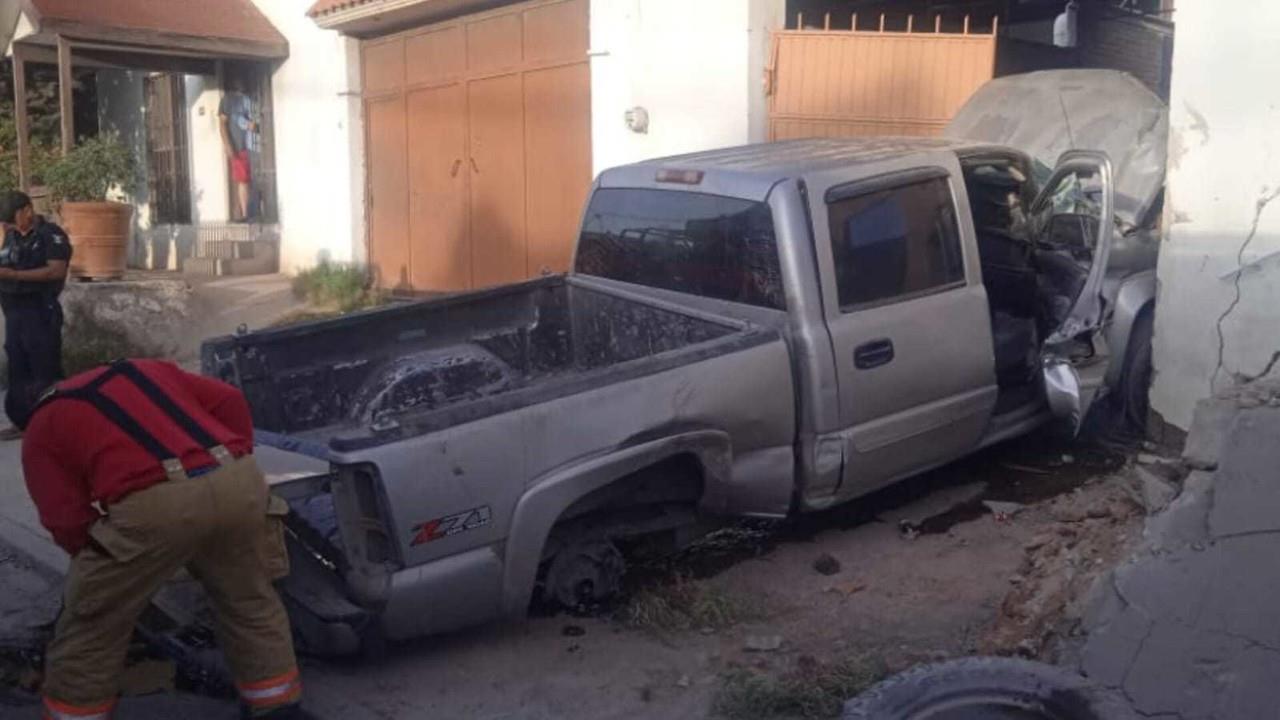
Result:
x=757 y=331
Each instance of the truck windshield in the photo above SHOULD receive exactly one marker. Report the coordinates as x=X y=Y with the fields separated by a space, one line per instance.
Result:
x=695 y=243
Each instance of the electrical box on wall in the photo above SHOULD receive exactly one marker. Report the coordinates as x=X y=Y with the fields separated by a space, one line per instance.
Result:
x=637 y=119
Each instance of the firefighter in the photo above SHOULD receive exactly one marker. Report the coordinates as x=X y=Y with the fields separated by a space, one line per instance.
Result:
x=167 y=456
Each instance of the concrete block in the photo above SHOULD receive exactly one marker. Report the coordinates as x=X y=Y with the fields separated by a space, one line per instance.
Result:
x=1186 y=520
x=1209 y=429
x=1156 y=492
x=1246 y=492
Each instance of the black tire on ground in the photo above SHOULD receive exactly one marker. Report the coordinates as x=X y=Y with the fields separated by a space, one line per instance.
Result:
x=1135 y=377
x=989 y=688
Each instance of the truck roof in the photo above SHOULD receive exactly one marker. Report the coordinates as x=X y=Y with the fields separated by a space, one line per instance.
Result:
x=751 y=170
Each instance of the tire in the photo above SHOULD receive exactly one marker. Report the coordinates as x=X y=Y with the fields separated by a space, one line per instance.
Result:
x=583 y=573
x=990 y=688
x=1135 y=376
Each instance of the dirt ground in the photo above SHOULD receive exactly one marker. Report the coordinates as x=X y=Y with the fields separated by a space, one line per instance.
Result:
x=764 y=621
x=779 y=620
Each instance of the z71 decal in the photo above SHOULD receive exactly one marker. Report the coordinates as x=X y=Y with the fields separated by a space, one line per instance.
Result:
x=451 y=525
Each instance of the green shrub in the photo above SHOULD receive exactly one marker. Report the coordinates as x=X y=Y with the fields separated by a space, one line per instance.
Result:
x=341 y=286
x=91 y=170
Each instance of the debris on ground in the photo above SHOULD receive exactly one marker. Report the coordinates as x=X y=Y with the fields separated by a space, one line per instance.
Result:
x=1091 y=532
x=846 y=588
x=1155 y=492
x=762 y=643
x=1003 y=511
x=573 y=631
x=826 y=564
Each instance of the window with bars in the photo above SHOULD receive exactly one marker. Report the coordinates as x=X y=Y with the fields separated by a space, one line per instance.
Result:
x=168 y=171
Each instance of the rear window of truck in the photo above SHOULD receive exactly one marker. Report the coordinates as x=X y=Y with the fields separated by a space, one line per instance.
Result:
x=707 y=245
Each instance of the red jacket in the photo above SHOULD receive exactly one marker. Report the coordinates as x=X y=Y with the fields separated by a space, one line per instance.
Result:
x=73 y=456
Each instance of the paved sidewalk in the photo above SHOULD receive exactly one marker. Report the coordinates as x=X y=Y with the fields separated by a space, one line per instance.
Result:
x=1189 y=627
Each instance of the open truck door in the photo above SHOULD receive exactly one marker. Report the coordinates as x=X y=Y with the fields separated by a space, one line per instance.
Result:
x=1072 y=223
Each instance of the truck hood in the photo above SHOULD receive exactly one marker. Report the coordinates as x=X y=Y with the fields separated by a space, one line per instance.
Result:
x=1045 y=114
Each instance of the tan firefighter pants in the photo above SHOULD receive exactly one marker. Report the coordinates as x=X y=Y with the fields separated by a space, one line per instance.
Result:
x=227 y=531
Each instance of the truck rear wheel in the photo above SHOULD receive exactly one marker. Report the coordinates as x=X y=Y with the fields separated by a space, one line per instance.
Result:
x=584 y=573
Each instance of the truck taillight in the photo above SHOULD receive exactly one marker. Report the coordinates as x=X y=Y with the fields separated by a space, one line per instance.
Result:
x=684 y=177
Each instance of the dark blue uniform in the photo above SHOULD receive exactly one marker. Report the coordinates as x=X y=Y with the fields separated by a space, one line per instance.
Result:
x=32 y=316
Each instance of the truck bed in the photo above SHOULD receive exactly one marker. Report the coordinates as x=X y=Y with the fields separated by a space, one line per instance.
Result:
x=409 y=368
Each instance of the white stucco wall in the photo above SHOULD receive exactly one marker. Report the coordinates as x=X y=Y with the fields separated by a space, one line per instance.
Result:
x=319 y=140
x=1224 y=182
x=697 y=67
x=210 y=201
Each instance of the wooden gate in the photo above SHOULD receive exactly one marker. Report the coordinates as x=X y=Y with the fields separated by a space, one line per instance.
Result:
x=850 y=83
x=479 y=146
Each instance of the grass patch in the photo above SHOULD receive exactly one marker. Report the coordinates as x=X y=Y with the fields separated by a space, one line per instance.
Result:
x=811 y=691
x=684 y=605
x=340 y=287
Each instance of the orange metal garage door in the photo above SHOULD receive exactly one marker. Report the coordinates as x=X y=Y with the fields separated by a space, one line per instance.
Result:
x=842 y=83
x=479 y=146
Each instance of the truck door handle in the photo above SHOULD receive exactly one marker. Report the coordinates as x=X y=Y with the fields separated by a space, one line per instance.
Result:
x=873 y=354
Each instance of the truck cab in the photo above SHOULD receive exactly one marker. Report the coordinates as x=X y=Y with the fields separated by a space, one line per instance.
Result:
x=934 y=299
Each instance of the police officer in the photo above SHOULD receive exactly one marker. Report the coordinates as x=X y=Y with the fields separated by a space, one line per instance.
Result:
x=167 y=455
x=33 y=270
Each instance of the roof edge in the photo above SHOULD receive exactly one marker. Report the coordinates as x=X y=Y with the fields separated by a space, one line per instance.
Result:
x=214 y=46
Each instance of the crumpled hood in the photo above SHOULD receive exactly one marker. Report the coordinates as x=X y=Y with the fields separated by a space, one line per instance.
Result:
x=1044 y=114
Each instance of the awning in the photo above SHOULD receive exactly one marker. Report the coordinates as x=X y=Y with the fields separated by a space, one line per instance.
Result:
x=216 y=29
x=366 y=18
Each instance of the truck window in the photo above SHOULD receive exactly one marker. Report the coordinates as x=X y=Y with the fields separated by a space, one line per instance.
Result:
x=895 y=244
x=708 y=245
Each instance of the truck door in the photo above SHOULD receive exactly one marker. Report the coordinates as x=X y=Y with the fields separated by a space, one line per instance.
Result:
x=908 y=319
x=1072 y=221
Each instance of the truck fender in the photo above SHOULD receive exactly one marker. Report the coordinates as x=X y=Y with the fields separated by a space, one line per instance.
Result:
x=539 y=508
x=1135 y=293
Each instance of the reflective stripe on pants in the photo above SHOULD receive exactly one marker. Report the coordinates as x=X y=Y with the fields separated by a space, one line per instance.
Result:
x=266 y=695
x=54 y=710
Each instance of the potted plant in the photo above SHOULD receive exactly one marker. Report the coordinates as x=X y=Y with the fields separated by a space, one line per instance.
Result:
x=80 y=185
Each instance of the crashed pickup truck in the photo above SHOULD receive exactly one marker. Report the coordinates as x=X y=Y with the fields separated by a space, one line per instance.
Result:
x=757 y=331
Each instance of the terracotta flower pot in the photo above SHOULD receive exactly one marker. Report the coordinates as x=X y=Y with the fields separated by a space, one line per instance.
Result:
x=99 y=234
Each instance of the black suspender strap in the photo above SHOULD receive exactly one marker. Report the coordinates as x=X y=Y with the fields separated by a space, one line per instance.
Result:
x=117 y=415
x=91 y=393
x=166 y=404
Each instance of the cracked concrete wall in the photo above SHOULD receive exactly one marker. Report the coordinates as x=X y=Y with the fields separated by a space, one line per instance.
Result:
x=1219 y=295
